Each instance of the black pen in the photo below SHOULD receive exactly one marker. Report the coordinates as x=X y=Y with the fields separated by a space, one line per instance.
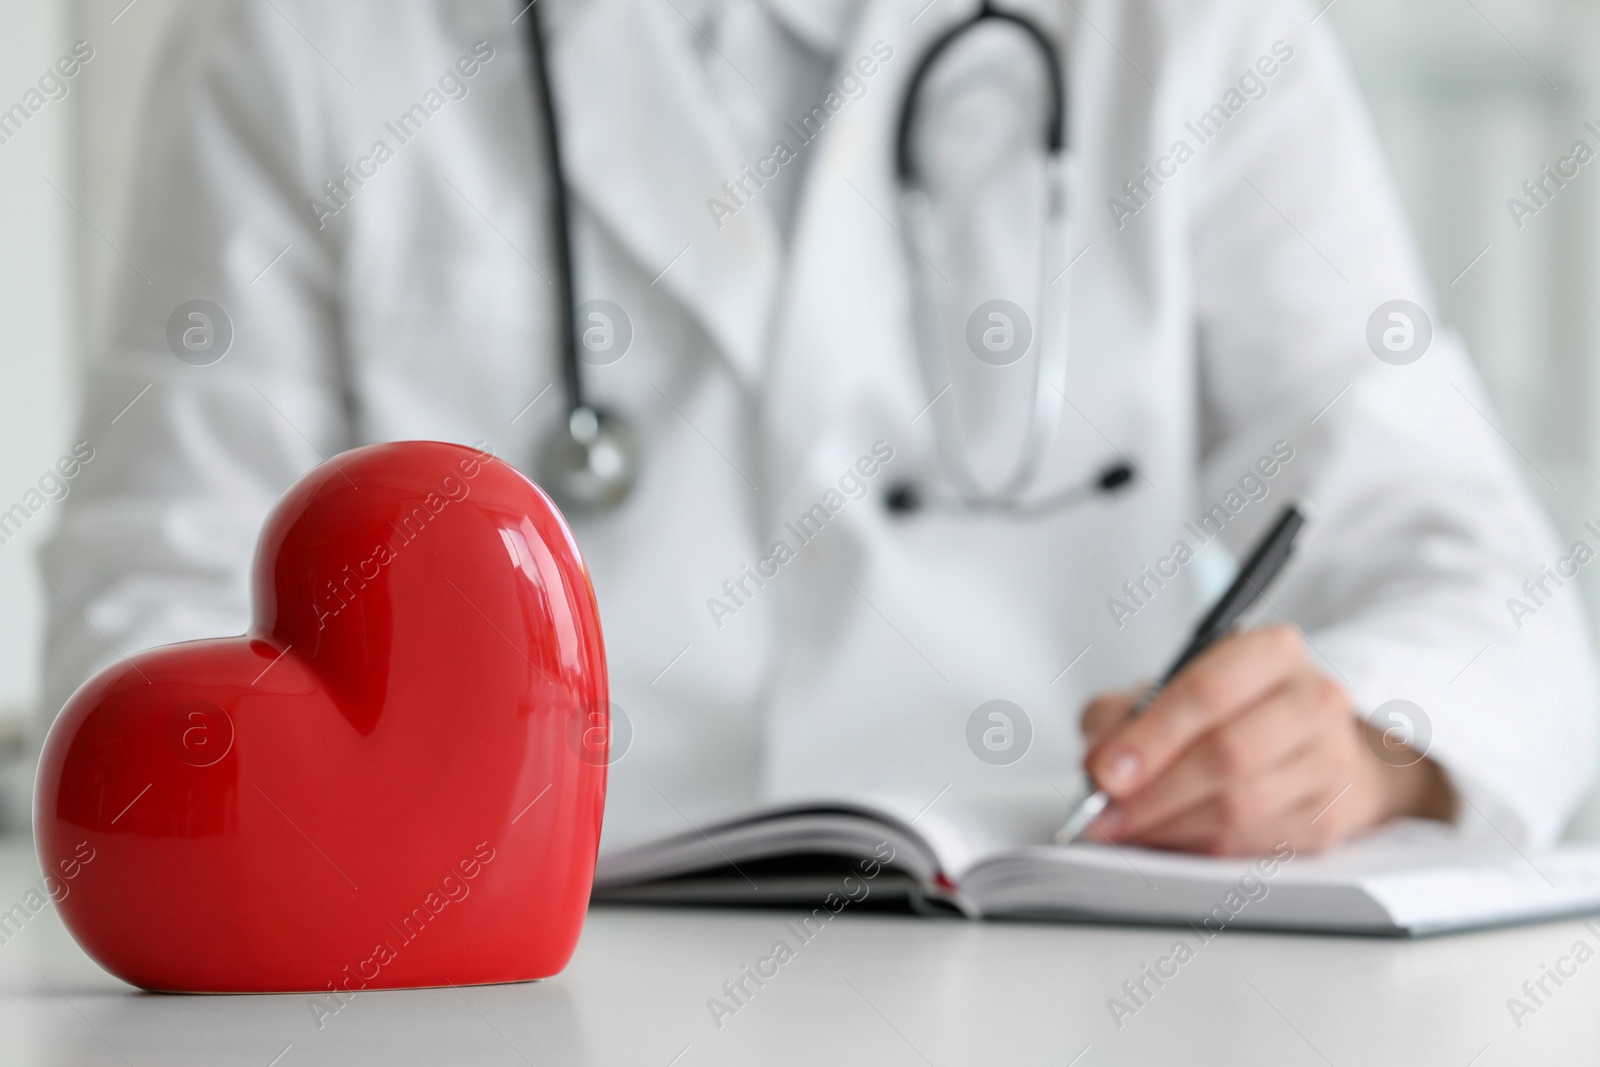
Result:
x=1257 y=573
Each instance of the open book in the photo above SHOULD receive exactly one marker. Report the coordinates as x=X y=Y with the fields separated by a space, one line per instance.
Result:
x=1410 y=878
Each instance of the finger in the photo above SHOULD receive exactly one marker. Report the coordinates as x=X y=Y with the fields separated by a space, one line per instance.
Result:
x=1263 y=736
x=1228 y=678
x=1105 y=711
x=1349 y=801
x=1311 y=826
x=1253 y=814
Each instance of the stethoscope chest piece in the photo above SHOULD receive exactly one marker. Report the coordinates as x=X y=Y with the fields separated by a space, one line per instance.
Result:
x=590 y=461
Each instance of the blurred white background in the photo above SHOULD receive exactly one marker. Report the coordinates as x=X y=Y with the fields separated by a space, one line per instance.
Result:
x=1471 y=99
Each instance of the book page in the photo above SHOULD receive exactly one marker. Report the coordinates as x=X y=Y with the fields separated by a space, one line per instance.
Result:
x=851 y=830
x=1405 y=878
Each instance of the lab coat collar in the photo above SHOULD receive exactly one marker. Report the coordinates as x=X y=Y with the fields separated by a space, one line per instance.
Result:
x=647 y=152
x=824 y=25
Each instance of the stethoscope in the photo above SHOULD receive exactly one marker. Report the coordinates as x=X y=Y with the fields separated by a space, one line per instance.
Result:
x=591 y=461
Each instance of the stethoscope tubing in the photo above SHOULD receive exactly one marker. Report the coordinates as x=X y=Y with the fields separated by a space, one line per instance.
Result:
x=560 y=218
x=569 y=461
x=1055 y=132
x=1051 y=339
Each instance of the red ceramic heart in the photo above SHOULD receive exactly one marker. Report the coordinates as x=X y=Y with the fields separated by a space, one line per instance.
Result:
x=394 y=779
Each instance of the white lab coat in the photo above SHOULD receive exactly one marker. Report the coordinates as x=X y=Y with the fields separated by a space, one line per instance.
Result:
x=1229 y=313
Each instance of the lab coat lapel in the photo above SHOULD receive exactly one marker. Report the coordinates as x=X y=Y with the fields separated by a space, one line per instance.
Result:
x=843 y=327
x=646 y=148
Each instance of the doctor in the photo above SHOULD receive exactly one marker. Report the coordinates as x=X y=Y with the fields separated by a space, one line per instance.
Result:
x=361 y=193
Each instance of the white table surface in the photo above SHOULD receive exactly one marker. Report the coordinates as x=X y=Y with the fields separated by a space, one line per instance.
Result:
x=868 y=989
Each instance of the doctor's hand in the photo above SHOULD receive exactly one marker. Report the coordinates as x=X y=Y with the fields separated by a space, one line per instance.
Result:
x=1249 y=746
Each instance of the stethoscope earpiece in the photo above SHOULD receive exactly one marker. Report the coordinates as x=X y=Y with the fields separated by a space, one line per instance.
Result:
x=1115 y=477
x=904 y=499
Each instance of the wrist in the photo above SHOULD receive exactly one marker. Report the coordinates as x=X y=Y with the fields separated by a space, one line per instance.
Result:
x=1419 y=789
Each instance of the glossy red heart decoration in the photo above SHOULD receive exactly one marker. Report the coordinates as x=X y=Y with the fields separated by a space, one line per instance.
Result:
x=394 y=779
